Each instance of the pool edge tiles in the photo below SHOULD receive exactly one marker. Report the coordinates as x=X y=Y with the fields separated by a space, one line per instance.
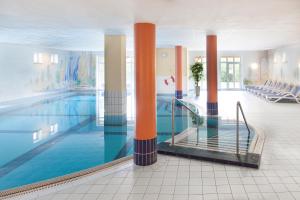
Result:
x=61 y=179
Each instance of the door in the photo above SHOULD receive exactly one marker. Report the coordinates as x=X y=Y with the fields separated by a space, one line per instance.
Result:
x=230 y=73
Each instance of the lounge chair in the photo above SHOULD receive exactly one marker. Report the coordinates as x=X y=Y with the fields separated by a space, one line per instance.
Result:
x=278 y=88
x=272 y=86
x=281 y=91
x=253 y=88
x=249 y=87
x=292 y=95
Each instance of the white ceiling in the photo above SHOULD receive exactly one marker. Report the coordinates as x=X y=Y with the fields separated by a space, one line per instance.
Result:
x=81 y=24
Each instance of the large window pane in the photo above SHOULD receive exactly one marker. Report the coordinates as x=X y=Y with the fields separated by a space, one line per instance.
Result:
x=230 y=73
x=237 y=59
x=223 y=72
x=237 y=72
x=230 y=59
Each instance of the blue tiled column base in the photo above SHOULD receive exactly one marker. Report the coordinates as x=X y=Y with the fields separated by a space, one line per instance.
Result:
x=212 y=124
x=178 y=94
x=212 y=108
x=145 y=152
x=115 y=120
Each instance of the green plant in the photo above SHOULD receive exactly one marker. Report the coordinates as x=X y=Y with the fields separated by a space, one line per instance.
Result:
x=197 y=72
x=197 y=120
x=247 y=82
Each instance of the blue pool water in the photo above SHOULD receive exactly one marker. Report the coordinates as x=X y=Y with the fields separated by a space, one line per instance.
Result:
x=67 y=134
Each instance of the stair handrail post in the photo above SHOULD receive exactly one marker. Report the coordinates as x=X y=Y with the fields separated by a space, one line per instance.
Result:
x=239 y=108
x=237 y=129
x=197 y=130
x=173 y=117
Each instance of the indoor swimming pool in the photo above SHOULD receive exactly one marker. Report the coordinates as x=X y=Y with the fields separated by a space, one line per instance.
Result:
x=66 y=134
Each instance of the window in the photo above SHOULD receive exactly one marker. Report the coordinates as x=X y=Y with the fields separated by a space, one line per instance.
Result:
x=100 y=82
x=130 y=86
x=37 y=58
x=54 y=59
x=230 y=72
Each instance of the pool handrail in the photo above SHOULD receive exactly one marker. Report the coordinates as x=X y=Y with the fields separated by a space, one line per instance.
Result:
x=173 y=115
x=238 y=110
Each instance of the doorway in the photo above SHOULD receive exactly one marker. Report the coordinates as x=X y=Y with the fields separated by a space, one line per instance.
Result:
x=230 y=78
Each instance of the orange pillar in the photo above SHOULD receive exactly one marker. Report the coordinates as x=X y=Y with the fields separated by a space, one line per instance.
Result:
x=145 y=152
x=212 y=75
x=178 y=72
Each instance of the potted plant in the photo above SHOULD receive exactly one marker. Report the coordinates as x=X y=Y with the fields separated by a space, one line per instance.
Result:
x=197 y=74
x=247 y=82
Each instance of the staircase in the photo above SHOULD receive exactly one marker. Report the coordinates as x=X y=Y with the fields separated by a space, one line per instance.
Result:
x=231 y=142
x=223 y=141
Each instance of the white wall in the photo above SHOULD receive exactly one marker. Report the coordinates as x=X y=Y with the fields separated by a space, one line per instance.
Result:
x=20 y=77
x=165 y=68
x=284 y=63
x=247 y=59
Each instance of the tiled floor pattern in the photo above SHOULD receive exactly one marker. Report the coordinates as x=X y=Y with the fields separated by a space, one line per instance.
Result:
x=179 y=178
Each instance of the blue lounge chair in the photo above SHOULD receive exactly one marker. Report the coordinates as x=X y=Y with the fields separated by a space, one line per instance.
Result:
x=292 y=95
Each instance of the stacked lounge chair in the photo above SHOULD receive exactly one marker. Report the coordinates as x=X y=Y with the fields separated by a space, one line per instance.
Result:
x=276 y=91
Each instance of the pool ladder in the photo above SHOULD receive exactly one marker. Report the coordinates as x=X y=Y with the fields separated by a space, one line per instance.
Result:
x=239 y=110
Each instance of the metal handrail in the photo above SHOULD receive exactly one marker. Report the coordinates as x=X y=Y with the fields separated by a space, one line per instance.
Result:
x=173 y=116
x=239 y=108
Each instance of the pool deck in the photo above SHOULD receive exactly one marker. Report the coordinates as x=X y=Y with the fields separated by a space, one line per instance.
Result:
x=182 y=178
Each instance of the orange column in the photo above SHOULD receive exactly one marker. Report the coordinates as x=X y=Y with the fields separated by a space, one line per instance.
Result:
x=212 y=75
x=178 y=71
x=145 y=152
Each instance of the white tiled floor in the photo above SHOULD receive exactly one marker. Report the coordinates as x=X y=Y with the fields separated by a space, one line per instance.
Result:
x=179 y=178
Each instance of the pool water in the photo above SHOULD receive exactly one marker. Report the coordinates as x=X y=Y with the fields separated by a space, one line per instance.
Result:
x=66 y=135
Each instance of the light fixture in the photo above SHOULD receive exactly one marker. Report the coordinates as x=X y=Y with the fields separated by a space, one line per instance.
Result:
x=198 y=59
x=164 y=54
x=283 y=58
x=275 y=59
x=254 y=66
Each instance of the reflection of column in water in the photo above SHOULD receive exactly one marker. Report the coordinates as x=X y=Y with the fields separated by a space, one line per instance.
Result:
x=115 y=142
x=99 y=108
x=212 y=131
